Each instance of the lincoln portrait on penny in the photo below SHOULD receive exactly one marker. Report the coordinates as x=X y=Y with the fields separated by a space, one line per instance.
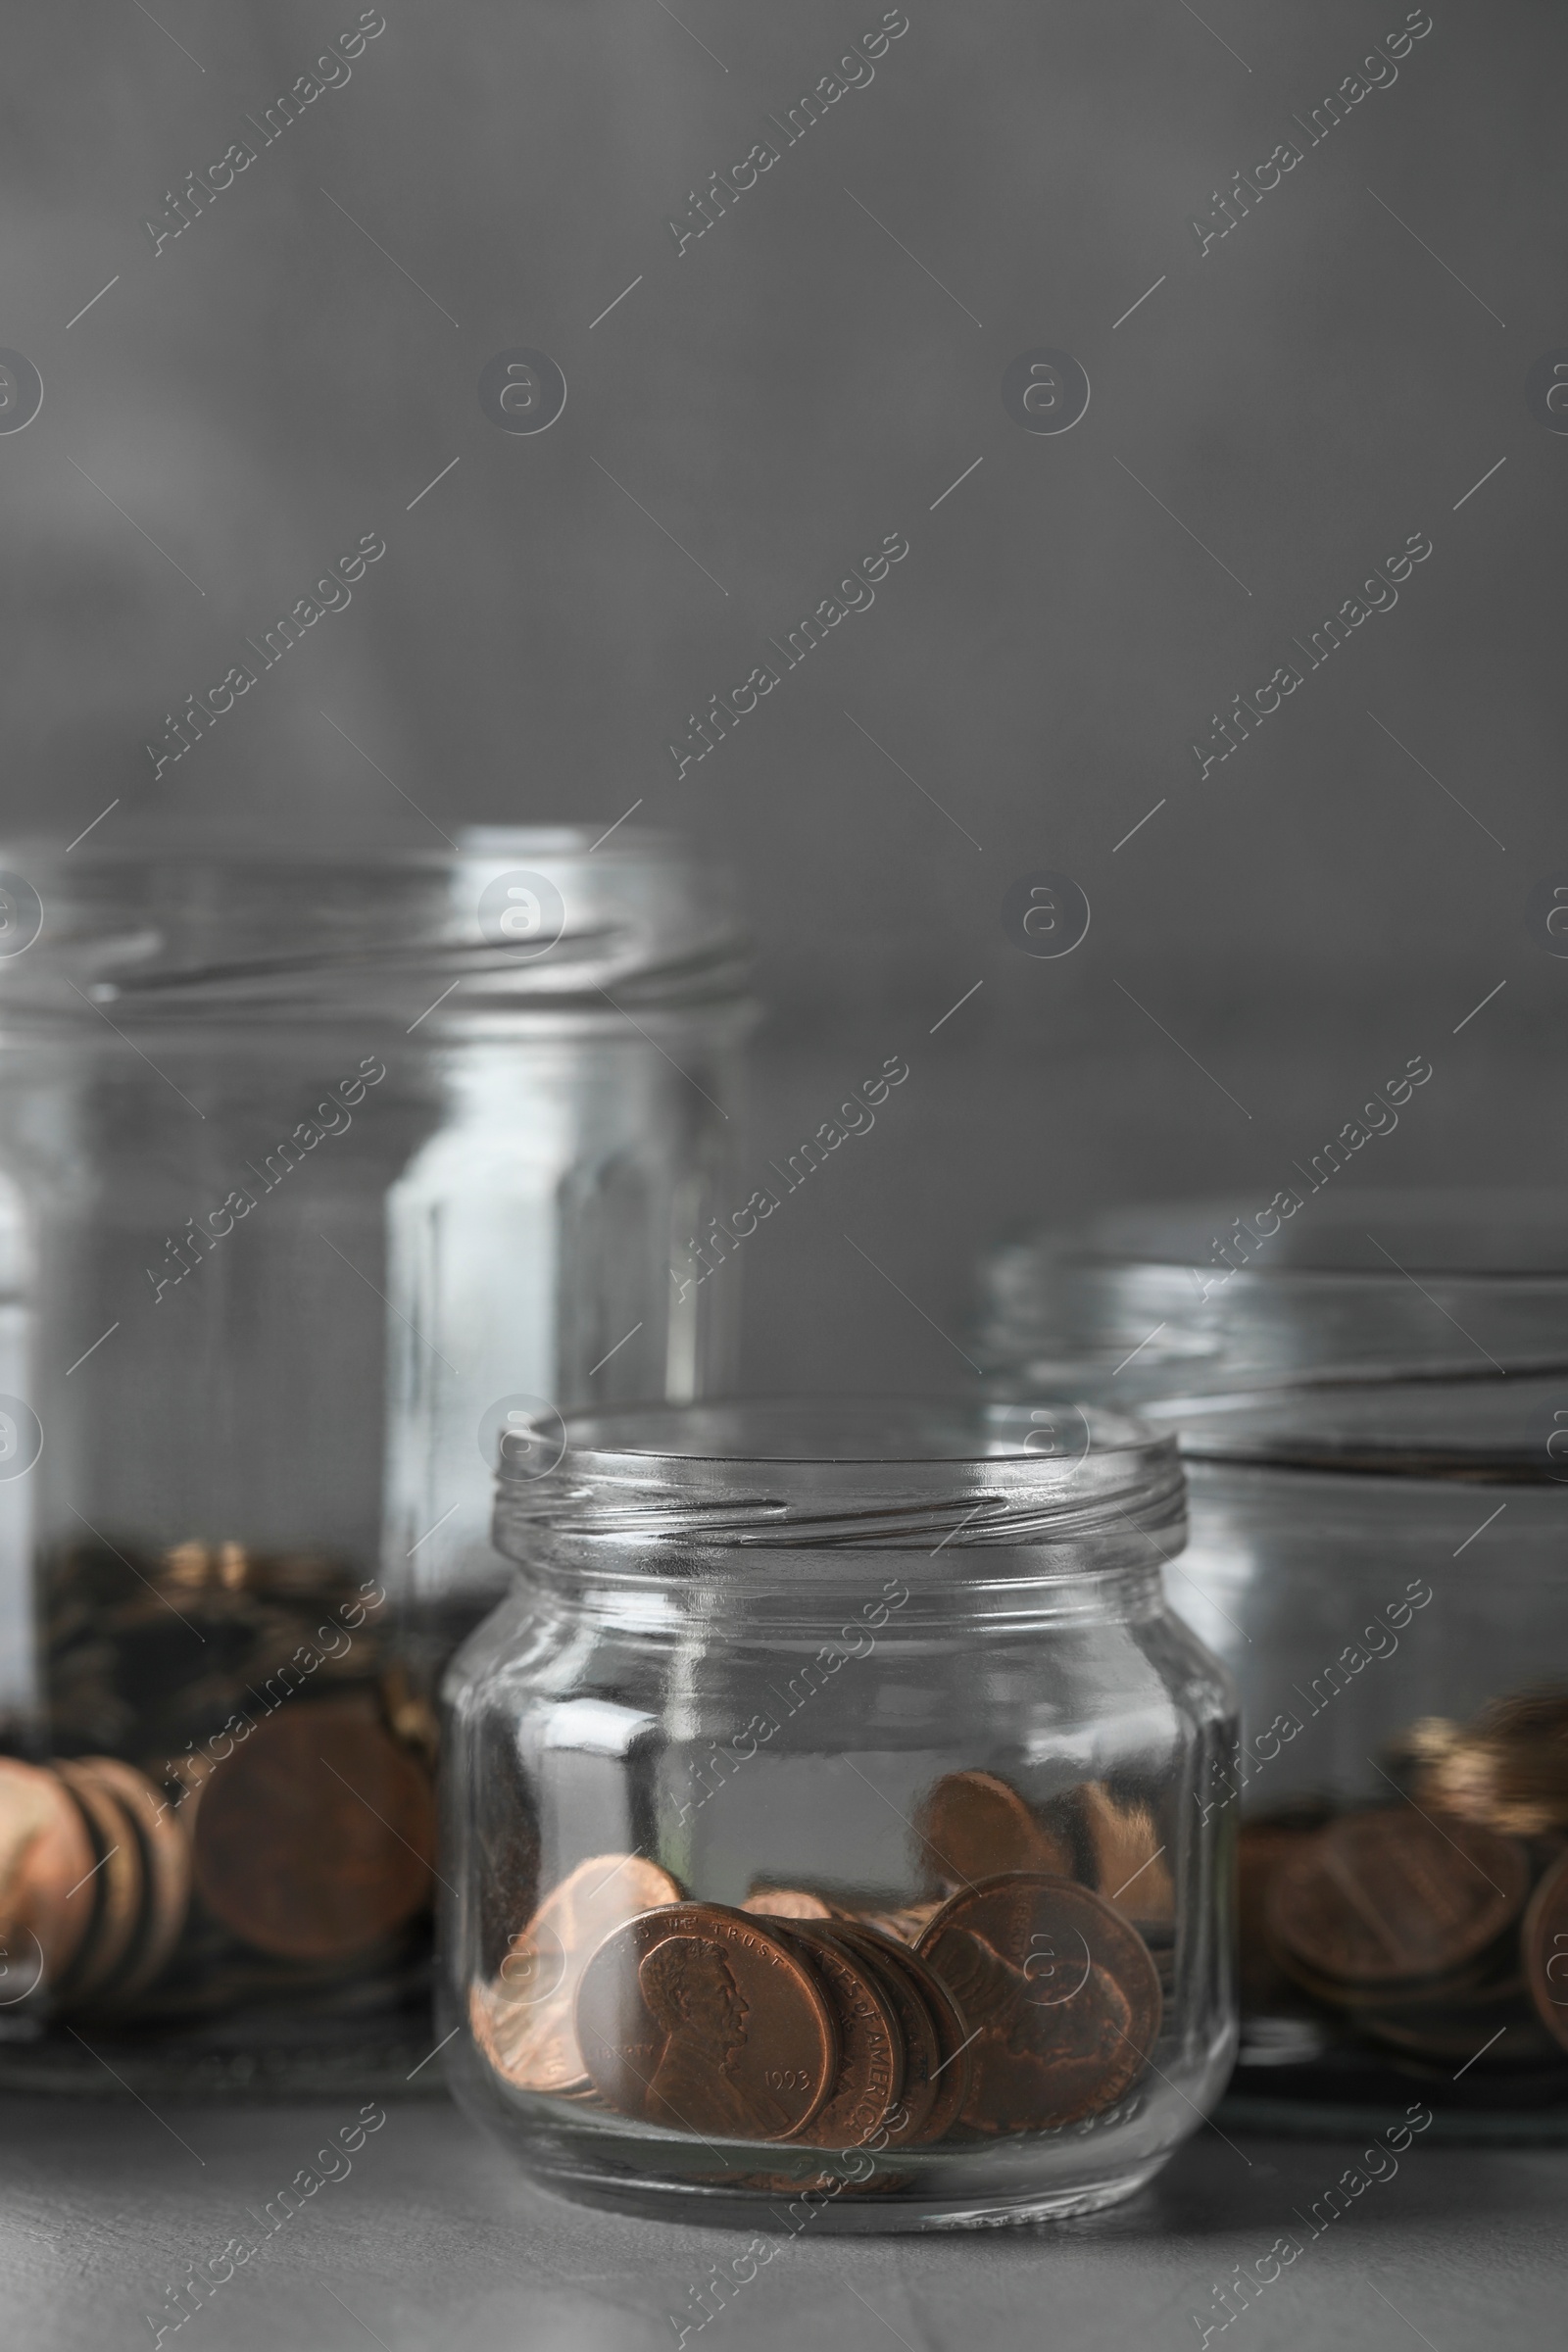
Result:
x=690 y=1992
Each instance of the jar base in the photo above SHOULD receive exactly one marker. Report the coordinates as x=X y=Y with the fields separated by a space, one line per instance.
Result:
x=844 y=2216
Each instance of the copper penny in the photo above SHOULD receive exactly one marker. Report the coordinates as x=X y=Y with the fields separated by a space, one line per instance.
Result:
x=1060 y=1995
x=954 y=2075
x=529 y=2026
x=905 y=1924
x=909 y=1986
x=1507 y=1768
x=1377 y=1898
x=788 y=1902
x=871 y=2063
x=1450 y=2034
x=315 y=1836
x=1260 y=1848
x=1545 y=1950
x=166 y=1868
x=1128 y=1856
x=119 y=1878
x=974 y=1825
x=700 y=2018
x=45 y=1857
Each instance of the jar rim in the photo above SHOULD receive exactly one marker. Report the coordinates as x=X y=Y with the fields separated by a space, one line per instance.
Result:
x=1464 y=1232
x=1371 y=1283
x=818 y=1471
x=1491 y=1430
x=515 y=917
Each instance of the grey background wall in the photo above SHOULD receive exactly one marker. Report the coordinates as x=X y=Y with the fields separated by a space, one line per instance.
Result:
x=822 y=368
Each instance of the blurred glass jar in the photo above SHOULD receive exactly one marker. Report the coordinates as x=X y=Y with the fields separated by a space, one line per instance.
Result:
x=821 y=1818
x=326 y=1173
x=1370 y=1391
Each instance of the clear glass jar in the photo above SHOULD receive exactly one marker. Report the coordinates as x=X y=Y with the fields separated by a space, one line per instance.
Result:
x=1370 y=1392
x=820 y=1818
x=321 y=1171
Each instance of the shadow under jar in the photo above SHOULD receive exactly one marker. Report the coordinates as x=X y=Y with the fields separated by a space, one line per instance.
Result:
x=820 y=1818
x=310 y=1166
x=1370 y=1391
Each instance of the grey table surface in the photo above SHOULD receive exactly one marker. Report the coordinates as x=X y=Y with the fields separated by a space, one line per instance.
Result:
x=434 y=2239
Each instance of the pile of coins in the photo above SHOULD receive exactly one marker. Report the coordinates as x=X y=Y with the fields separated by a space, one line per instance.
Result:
x=1438 y=1926
x=94 y=1881
x=1014 y=1998
x=268 y=1825
x=1507 y=1768
x=149 y=1654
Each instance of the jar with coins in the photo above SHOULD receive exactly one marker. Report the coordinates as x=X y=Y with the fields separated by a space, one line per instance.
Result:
x=1370 y=1392
x=821 y=1833
x=318 y=1174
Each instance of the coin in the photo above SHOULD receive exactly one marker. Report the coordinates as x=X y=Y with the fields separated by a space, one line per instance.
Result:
x=914 y=1993
x=1059 y=1993
x=530 y=2010
x=1260 y=1848
x=787 y=1902
x=871 y=2064
x=1455 y=1988
x=120 y=1882
x=1459 y=2034
x=1544 y=1943
x=1380 y=1897
x=165 y=1867
x=1507 y=1768
x=45 y=1857
x=974 y=1826
x=1127 y=1855
x=316 y=1837
x=907 y=1923
x=699 y=2019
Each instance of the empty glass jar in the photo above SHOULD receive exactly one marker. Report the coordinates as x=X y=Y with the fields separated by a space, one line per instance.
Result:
x=822 y=1820
x=323 y=1175
x=1371 y=1396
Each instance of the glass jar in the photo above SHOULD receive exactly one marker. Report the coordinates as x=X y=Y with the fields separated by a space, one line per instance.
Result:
x=322 y=1170
x=821 y=1822
x=1370 y=1392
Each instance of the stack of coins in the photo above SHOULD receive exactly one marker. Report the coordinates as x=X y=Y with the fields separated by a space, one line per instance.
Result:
x=1015 y=1999
x=95 y=1883
x=288 y=1862
x=254 y=1688
x=1438 y=1926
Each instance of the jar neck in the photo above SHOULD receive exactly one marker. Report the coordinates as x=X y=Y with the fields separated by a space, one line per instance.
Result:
x=847 y=1596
